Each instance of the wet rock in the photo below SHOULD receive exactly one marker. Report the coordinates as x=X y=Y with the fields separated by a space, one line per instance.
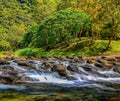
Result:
x=71 y=78
x=7 y=67
x=22 y=63
x=51 y=61
x=103 y=57
x=2 y=80
x=78 y=59
x=47 y=64
x=22 y=58
x=64 y=58
x=110 y=59
x=8 y=71
x=117 y=58
x=60 y=69
x=100 y=61
x=9 y=58
x=6 y=79
x=37 y=58
x=51 y=58
x=25 y=79
x=91 y=61
x=87 y=68
x=116 y=63
x=3 y=62
x=72 y=68
x=31 y=64
x=98 y=65
x=116 y=69
x=106 y=64
x=16 y=61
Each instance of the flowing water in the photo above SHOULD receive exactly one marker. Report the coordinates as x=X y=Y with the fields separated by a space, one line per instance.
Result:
x=37 y=81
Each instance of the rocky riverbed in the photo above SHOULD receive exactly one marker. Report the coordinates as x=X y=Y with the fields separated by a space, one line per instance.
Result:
x=75 y=77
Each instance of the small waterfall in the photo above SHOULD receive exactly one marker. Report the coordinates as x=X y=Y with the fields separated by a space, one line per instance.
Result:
x=58 y=72
x=48 y=78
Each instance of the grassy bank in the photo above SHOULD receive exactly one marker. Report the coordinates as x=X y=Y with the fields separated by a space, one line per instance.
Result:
x=85 y=47
x=74 y=49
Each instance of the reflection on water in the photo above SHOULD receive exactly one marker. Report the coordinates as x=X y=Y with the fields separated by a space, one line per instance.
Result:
x=45 y=92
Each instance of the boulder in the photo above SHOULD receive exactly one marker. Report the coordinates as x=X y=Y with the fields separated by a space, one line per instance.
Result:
x=110 y=59
x=98 y=65
x=63 y=58
x=117 y=58
x=116 y=63
x=50 y=58
x=78 y=59
x=107 y=64
x=22 y=63
x=91 y=61
x=59 y=68
x=46 y=64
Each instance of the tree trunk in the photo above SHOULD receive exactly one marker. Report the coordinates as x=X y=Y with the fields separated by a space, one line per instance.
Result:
x=109 y=42
x=79 y=34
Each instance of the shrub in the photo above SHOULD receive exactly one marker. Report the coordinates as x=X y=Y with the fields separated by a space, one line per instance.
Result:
x=27 y=52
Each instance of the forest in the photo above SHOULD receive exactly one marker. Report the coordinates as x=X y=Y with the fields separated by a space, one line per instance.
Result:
x=59 y=27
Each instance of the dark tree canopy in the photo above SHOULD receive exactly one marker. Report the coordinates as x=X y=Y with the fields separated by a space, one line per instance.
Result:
x=62 y=26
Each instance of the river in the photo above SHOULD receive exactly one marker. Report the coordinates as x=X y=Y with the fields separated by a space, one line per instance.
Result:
x=66 y=79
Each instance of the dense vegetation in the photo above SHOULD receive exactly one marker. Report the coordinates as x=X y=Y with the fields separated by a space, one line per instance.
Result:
x=59 y=25
x=62 y=26
x=15 y=17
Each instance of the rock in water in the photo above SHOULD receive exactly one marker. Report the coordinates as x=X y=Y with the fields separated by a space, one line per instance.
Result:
x=60 y=69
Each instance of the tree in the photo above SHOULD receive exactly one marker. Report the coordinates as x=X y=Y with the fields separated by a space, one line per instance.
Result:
x=28 y=36
x=43 y=9
x=4 y=44
x=111 y=20
x=15 y=32
x=15 y=17
x=62 y=26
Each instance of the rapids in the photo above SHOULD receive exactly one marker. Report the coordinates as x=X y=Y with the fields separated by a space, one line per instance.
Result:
x=62 y=73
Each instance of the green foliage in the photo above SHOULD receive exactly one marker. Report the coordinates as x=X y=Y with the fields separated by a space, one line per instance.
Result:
x=4 y=45
x=43 y=9
x=54 y=27
x=28 y=36
x=15 y=17
x=27 y=52
x=85 y=47
x=62 y=26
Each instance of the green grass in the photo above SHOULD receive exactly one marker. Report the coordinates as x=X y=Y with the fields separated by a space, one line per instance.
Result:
x=84 y=47
x=115 y=46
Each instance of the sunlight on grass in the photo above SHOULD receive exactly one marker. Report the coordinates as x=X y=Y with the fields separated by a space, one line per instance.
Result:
x=83 y=47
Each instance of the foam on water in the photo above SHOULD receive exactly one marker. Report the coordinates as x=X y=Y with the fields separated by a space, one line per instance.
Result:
x=82 y=77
